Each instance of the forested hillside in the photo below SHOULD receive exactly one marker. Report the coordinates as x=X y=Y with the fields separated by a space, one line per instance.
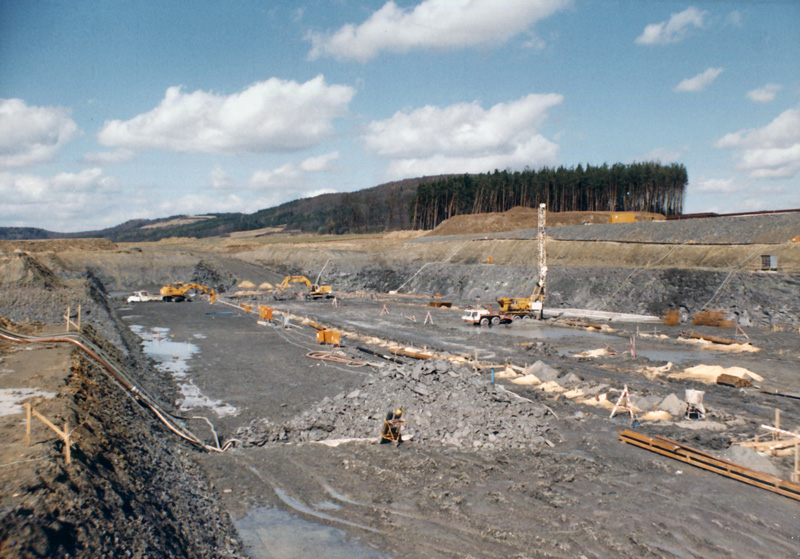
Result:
x=646 y=187
x=423 y=203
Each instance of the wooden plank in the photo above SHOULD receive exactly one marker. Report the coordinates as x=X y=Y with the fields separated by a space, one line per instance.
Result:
x=689 y=455
x=731 y=380
x=715 y=339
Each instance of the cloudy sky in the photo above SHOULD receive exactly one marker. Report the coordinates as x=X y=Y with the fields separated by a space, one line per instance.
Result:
x=114 y=110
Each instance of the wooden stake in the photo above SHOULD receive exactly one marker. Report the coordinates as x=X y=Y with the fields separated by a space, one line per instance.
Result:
x=384 y=311
x=63 y=434
x=624 y=407
x=28 y=424
x=428 y=318
x=67 y=450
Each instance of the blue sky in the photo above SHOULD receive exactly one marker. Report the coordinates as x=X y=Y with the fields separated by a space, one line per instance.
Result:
x=114 y=110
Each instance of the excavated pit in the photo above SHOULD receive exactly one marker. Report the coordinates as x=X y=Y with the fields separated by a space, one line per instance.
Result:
x=509 y=448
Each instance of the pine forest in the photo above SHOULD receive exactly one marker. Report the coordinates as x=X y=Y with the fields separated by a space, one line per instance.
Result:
x=646 y=187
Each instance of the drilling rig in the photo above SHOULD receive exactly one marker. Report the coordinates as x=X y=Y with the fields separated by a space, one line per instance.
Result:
x=527 y=307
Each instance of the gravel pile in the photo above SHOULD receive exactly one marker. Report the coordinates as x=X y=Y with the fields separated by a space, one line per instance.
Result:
x=208 y=275
x=441 y=402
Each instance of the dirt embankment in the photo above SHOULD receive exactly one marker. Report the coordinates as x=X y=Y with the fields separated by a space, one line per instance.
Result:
x=526 y=218
x=132 y=488
x=57 y=245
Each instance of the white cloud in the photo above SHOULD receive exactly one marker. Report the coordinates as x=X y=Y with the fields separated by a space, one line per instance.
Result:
x=221 y=180
x=285 y=176
x=698 y=82
x=291 y=175
x=673 y=30
x=201 y=203
x=269 y=116
x=319 y=164
x=465 y=138
x=769 y=152
x=734 y=19
x=708 y=186
x=31 y=135
x=440 y=24
x=108 y=157
x=665 y=155
x=64 y=202
x=764 y=94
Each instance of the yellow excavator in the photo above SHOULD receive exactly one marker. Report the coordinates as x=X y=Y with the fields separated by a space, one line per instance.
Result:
x=315 y=291
x=177 y=291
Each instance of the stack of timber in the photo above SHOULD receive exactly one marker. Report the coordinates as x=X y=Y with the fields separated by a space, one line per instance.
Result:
x=689 y=455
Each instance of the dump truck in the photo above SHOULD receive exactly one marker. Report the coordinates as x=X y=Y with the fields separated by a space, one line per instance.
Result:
x=178 y=291
x=315 y=291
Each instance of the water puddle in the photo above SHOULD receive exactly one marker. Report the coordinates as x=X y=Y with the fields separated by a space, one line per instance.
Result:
x=269 y=533
x=11 y=398
x=173 y=357
x=535 y=332
x=674 y=355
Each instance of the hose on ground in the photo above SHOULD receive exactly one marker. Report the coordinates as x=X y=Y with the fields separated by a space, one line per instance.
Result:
x=117 y=375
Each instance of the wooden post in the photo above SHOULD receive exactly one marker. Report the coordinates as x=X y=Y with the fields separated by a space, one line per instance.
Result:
x=67 y=450
x=67 y=317
x=63 y=435
x=28 y=424
x=79 y=317
x=777 y=423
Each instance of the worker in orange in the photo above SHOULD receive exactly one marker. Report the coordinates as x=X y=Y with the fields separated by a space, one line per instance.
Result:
x=392 y=426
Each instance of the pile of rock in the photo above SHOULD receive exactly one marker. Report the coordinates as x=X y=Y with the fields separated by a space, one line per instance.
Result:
x=441 y=402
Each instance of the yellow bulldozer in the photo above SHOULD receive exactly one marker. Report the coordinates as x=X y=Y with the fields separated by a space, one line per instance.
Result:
x=315 y=291
x=178 y=291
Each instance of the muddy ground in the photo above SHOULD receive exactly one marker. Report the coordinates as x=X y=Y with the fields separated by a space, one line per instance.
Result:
x=570 y=489
x=490 y=467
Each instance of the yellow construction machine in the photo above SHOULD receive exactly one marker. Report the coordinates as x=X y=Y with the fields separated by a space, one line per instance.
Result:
x=177 y=291
x=523 y=307
x=533 y=306
x=315 y=291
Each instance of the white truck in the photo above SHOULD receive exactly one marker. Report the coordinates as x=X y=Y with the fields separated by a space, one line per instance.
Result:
x=485 y=317
x=143 y=297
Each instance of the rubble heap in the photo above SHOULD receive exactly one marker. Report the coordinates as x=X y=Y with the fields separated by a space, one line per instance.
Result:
x=442 y=402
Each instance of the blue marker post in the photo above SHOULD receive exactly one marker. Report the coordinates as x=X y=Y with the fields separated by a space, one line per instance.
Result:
x=492 y=375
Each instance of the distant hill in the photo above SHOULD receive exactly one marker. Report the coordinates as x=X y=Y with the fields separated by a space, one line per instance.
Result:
x=380 y=208
x=423 y=203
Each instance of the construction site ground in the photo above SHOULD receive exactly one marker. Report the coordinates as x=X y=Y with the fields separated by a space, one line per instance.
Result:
x=509 y=449
x=586 y=495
